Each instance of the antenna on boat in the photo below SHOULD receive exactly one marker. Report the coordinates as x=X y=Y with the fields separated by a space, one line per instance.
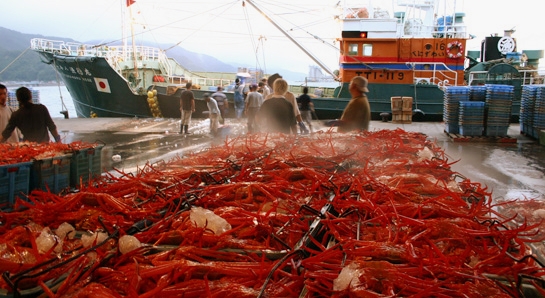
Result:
x=260 y=40
x=128 y=4
x=133 y=44
x=322 y=65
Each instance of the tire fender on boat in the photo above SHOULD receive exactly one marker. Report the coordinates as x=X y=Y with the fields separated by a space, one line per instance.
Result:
x=454 y=45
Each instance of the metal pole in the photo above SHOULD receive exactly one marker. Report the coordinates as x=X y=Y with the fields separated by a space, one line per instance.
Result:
x=322 y=65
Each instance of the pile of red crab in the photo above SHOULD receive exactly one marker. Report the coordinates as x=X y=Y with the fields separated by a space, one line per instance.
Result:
x=373 y=214
x=29 y=151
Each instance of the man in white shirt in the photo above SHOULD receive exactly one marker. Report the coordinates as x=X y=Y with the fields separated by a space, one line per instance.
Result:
x=254 y=100
x=223 y=104
x=214 y=113
x=5 y=114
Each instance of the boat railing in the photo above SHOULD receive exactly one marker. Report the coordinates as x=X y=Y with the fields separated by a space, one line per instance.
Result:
x=439 y=74
x=53 y=46
x=527 y=77
x=164 y=66
x=112 y=53
x=414 y=28
x=210 y=82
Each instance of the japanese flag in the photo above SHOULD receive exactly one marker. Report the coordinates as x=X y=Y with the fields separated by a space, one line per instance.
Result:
x=102 y=85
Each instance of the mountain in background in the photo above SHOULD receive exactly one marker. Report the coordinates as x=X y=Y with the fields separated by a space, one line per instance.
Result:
x=25 y=65
x=18 y=62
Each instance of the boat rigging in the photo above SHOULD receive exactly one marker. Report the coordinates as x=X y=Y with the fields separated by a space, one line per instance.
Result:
x=314 y=58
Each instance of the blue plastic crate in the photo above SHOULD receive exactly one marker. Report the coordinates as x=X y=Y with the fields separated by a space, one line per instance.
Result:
x=471 y=130
x=496 y=131
x=452 y=128
x=14 y=183
x=470 y=104
x=85 y=165
x=51 y=173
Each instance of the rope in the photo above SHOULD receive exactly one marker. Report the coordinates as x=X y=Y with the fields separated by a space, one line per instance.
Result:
x=59 y=85
x=255 y=47
x=109 y=111
x=14 y=60
x=263 y=52
x=194 y=32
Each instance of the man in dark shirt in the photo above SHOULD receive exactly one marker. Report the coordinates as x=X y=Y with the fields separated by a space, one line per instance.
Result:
x=306 y=106
x=187 y=107
x=33 y=120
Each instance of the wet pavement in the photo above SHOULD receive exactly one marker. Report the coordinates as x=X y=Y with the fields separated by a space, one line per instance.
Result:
x=512 y=170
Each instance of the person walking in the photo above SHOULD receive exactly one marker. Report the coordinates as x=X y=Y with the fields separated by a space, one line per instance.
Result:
x=239 y=98
x=223 y=104
x=357 y=113
x=276 y=113
x=213 y=112
x=306 y=107
x=5 y=114
x=187 y=107
x=266 y=88
x=253 y=102
x=32 y=119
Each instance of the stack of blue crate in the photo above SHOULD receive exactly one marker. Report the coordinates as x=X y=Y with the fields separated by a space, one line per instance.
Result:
x=539 y=112
x=527 y=104
x=471 y=118
x=453 y=96
x=12 y=98
x=477 y=93
x=499 y=99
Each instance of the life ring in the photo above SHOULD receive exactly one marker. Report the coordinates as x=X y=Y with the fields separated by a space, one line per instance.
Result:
x=454 y=45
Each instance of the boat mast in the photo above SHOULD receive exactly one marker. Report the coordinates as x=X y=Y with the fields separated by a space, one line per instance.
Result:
x=123 y=20
x=133 y=45
x=322 y=65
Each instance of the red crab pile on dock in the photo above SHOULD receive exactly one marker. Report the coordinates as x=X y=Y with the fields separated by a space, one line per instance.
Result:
x=374 y=214
x=29 y=151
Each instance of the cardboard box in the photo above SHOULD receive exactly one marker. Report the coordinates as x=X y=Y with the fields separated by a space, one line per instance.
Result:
x=397 y=103
x=402 y=117
x=407 y=104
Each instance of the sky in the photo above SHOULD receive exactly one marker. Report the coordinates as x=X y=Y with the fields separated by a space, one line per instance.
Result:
x=240 y=35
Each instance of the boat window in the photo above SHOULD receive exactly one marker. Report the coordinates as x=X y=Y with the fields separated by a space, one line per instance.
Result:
x=367 y=49
x=353 y=49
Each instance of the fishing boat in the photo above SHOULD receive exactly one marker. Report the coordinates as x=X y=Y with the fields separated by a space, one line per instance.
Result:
x=124 y=81
x=415 y=52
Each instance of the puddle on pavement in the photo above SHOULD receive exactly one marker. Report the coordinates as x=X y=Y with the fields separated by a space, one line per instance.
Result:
x=510 y=171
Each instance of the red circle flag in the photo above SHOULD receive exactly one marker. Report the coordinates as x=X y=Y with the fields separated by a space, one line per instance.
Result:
x=102 y=85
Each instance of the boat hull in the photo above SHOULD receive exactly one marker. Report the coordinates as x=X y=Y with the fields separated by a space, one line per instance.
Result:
x=430 y=101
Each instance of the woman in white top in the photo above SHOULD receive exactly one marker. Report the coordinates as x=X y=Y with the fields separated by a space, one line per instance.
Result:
x=291 y=98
